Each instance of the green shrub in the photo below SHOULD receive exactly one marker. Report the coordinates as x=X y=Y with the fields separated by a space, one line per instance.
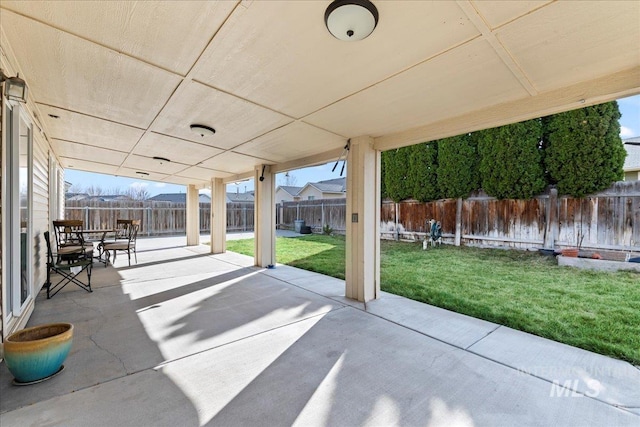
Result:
x=395 y=173
x=422 y=175
x=327 y=230
x=458 y=166
x=583 y=150
x=511 y=160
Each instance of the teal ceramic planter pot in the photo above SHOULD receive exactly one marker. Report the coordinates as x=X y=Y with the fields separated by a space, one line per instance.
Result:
x=36 y=353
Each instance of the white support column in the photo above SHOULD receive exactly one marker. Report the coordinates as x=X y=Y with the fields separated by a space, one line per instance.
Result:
x=265 y=217
x=218 y=216
x=363 y=221
x=193 y=216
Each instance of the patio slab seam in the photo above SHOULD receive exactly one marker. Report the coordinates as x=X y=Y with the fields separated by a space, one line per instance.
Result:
x=485 y=336
x=572 y=390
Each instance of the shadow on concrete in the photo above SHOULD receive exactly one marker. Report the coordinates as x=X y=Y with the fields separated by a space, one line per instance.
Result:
x=110 y=343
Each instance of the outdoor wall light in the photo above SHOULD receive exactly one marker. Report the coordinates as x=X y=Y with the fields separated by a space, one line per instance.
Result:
x=161 y=160
x=14 y=87
x=351 y=20
x=202 y=130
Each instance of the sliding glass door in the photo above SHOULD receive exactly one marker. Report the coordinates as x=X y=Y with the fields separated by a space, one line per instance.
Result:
x=19 y=195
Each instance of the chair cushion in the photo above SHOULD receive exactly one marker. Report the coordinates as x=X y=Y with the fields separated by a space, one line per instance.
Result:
x=116 y=246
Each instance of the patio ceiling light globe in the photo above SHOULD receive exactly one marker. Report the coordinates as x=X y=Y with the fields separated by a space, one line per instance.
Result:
x=351 y=20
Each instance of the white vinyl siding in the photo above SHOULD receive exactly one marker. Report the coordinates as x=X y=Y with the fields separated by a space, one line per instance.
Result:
x=40 y=211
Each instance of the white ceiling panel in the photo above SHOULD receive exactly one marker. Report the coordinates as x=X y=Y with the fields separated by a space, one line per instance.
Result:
x=68 y=72
x=89 y=130
x=280 y=54
x=173 y=179
x=88 y=152
x=145 y=30
x=278 y=88
x=141 y=163
x=463 y=80
x=499 y=12
x=132 y=173
x=89 y=166
x=235 y=120
x=178 y=150
x=292 y=142
x=553 y=48
x=203 y=174
x=233 y=162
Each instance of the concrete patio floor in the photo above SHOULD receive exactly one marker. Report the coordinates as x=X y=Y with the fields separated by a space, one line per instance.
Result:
x=185 y=338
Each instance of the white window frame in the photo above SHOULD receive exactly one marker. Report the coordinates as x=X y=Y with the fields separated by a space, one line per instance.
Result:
x=13 y=307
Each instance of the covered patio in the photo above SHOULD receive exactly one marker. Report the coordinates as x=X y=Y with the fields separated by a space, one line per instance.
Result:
x=207 y=93
x=189 y=338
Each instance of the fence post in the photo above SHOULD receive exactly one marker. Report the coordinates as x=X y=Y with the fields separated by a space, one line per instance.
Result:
x=397 y=233
x=551 y=230
x=244 y=218
x=322 y=214
x=458 y=221
x=148 y=221
x=86 y=217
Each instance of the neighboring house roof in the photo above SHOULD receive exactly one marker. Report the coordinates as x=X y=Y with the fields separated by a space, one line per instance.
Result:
x=290 y=189
x=109 y=197
x=76 y=196
x=632 y=162
x=337 y=185
x=329 y=186
x=178 y=198
x=240 y=197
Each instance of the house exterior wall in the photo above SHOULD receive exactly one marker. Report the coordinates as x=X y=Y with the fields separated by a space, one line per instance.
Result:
x=310 y=193
x=310 y=190
x=40 y=219
x=632 y=176
x=40 y=215
x=40 y=212
x=333 y=195
x=283 y=196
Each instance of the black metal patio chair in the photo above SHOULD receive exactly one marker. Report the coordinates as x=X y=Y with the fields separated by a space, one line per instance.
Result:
x=69 y=238
x=69 y=269
x=127 y=245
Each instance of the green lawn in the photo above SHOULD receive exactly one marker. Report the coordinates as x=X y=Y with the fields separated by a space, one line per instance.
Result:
x=596 y=311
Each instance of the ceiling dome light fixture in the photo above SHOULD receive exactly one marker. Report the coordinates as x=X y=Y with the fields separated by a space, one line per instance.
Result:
x=351 y=20
x=202 y=130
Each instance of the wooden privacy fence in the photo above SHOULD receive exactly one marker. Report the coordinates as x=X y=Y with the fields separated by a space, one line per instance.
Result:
x=609 y=220
x=315 y=213
x=157 y=218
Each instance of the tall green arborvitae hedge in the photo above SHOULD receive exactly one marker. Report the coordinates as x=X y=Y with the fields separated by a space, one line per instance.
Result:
x=423 y=171
x=511 y=160
x=383 y=183
x=396 y=167
x=458 y=166
x=583 y=150
x=580 y=151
